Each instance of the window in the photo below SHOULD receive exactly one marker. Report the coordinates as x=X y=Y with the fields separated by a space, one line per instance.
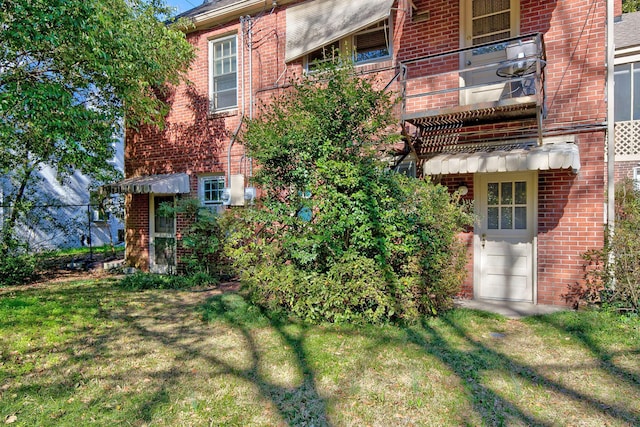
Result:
x=627 y=92
x=636 y=177
x=210 y=189
x=507 y=205
x=323 y=55
x=223 y=78
x=371 y=44
x=407 y=167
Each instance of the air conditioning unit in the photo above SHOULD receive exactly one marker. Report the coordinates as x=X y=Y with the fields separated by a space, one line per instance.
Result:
x=249 y=195
x=226 y=196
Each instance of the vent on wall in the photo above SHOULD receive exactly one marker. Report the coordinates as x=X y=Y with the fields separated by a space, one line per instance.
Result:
x=418 y=15
x=421 y=15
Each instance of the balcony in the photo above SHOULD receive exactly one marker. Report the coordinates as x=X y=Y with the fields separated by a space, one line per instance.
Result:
x=487 y=94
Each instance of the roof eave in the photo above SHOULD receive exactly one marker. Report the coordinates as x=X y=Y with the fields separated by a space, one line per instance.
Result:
x=232 y=11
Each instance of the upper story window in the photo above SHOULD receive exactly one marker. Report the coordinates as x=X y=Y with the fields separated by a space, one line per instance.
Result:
x=211 y=188
x=627 y=92
x=371 y=44
x=223 y=76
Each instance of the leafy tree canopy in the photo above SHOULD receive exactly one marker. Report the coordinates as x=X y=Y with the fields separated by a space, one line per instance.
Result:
x=70 y=71
x=630 y=6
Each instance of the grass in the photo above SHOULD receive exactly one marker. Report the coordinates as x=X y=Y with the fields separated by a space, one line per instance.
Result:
x=86 y=352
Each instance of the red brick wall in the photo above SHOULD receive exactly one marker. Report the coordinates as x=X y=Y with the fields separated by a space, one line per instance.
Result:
x=570 y=207
x=570 y=219
x=137 y=230
x=624 y=170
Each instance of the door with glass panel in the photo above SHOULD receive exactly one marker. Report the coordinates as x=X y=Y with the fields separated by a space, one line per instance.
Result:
x=486 y=21
x=504 y=238
x=162 y=236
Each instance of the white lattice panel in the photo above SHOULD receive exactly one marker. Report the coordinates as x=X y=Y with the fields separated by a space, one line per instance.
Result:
x=627 y=139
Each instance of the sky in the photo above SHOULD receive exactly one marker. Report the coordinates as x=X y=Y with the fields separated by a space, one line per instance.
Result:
x=183 y=5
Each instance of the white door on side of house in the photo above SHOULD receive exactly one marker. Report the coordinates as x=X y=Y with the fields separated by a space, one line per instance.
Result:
x=162 y=235
x=485 y=21
x=504 y=237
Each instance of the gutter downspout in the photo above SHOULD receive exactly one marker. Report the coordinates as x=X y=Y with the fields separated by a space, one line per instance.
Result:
x=233 y=140
x=611 y=152
x=242 y=106
x=250 y=42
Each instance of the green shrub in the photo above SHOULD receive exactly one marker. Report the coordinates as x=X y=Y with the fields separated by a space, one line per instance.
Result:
x=337 y=236
x=612 y=274
x=17 y=270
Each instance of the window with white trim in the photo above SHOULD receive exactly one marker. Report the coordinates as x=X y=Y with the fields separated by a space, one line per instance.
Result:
x=636 y=177
x=210 y=189
x=223 y=76
x=627 y=92
x=368 y=45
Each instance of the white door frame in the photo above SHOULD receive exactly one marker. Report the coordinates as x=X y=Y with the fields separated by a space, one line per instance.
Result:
x=480 y=203
x=153 y=267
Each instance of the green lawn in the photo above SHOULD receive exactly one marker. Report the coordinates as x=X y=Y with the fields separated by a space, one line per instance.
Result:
x=87 y=353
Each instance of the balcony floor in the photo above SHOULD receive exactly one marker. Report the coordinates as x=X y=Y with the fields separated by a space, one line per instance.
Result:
x=523 y=107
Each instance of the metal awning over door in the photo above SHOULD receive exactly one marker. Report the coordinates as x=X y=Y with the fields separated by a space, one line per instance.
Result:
x=563 y=155
x=174 y=183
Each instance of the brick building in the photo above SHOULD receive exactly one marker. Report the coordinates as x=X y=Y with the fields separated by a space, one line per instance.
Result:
x=502 y=99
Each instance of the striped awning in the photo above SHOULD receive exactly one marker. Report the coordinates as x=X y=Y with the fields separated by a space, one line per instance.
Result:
x=313 y=24
x=174 y=183
x=564 y=155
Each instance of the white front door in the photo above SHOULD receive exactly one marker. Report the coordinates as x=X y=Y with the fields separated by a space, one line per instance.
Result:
x=486 y=21
x=504 y=236
x=162 y=235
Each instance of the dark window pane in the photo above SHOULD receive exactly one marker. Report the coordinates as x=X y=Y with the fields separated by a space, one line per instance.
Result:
x=507 y=193
x=162 y=224
x=506 y=218
x=622 y=92
x=520 y=218
x=372 y=45
x=492 y=193
x=492 y=218
x=521 y=193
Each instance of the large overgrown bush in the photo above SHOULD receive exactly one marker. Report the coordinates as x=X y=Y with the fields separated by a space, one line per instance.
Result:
x=17 y=269
x=612 y=274
x=337 y=236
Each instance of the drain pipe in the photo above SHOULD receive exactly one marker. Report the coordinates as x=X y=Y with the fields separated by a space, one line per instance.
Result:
x=611 y=150
x=242 y=101
x=233 y=140
x=250 y=42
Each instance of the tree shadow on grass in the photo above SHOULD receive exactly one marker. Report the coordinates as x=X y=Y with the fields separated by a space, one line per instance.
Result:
x=296 y=405
x=584 y=330
x=167 y=326
x=477 y=358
